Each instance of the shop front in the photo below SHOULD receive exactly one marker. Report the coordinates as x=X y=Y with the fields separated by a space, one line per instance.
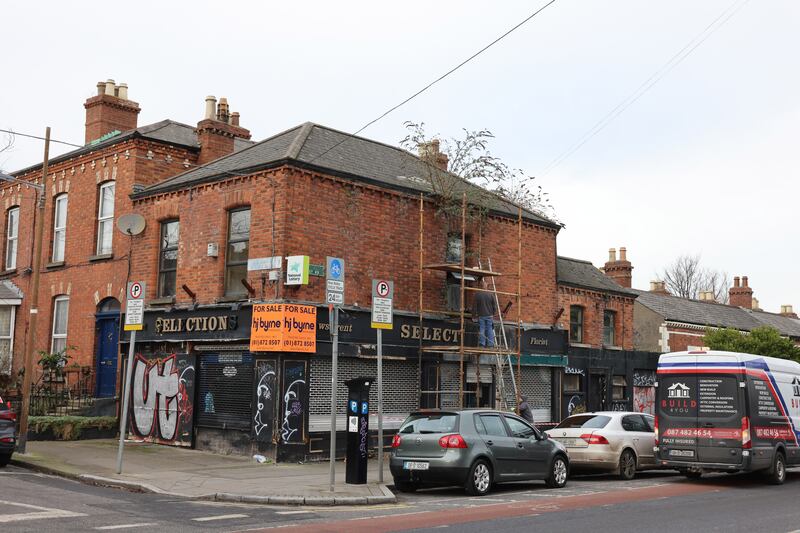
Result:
x=602 y=379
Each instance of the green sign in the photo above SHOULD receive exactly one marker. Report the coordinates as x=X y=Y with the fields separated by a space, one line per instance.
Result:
x=316 y=270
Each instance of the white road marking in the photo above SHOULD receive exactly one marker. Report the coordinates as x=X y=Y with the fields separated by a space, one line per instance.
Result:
x=292 y=512
x=124 y=526
x=41 y=513
x=219 y=517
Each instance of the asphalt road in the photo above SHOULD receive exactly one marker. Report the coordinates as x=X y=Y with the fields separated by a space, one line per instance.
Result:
x=669 y=502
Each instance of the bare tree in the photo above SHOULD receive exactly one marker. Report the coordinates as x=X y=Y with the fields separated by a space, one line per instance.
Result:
x=470 y=158
x=6 y=145
x=686 y=278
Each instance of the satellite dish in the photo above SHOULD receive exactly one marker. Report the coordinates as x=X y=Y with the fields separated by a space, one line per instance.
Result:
x=131 y=224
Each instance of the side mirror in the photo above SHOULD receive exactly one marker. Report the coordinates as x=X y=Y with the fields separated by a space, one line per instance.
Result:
x=542 y=436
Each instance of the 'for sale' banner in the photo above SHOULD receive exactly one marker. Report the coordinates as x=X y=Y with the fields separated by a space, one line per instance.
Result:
x=283 y=328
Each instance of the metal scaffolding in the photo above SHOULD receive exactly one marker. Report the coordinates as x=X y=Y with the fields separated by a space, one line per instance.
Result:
x=501 y=354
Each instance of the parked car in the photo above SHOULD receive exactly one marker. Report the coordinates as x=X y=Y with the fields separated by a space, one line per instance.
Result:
x=620 y=442
x=474 y=448
x=8 y=432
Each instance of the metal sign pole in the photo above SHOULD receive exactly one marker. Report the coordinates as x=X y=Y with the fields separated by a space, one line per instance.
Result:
x=380 y=406
x=123 y=420
x=334 y=381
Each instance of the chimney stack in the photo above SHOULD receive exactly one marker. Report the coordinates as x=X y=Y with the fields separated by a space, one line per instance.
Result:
x=620 y=270
x=741 y=295
x=110 y=110
x=658 y=287
x=430 y=153
x=787 y=310
x=218 y=130
x=707 y=296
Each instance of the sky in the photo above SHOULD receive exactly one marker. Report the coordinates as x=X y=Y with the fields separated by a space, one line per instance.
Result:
x=704 y=162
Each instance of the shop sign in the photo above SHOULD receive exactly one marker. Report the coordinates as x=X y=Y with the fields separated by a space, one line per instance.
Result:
x=283 y=328
x=297 y=270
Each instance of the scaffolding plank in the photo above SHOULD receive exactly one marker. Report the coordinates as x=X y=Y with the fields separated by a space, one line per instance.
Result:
x=456 y=268
x=468 y=349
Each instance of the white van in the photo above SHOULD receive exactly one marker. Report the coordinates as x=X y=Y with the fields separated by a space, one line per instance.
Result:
x=727 y=412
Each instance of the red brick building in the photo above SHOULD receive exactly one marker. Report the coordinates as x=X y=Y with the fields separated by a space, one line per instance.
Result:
x=84 y=256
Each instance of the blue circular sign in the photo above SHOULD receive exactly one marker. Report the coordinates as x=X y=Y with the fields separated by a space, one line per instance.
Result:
x=336 y=269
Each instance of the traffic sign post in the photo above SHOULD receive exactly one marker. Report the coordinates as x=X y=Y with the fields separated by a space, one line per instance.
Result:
x=334 y=296
x=382 y=295
x=134 y=321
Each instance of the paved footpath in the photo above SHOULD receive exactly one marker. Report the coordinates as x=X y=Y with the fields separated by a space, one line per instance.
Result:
x=194 y=474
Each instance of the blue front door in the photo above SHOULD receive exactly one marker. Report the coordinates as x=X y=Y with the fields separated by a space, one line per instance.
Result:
x=107 y=342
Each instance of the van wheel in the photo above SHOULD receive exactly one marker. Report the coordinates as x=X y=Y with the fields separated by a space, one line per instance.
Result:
x=693 y=474
x=558 y=473
x=627 y=465
x=777 y=474
x=479 y=480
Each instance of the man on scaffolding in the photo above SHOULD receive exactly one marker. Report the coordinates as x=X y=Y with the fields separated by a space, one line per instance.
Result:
x=484 y=309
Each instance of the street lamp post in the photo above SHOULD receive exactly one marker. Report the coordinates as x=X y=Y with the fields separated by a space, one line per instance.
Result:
x=34 y=292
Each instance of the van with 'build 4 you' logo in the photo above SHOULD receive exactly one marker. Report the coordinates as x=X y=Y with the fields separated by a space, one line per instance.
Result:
x=727 y=412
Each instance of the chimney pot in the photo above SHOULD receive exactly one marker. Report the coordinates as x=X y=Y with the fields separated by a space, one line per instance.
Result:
x=123 y=91
x=623 y=252
x=653 y=286
x=211 y=106
x=222 y=110
x=612 y=255
x=736 y=281
x=744 y=281
x=235 y=118
x=101 y=88
x=110 y=87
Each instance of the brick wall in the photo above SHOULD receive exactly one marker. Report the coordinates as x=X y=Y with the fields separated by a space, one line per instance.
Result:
x=594 y=304
x=375 y=230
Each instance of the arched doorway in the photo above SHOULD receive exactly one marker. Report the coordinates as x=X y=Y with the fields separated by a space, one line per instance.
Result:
x=107 y=342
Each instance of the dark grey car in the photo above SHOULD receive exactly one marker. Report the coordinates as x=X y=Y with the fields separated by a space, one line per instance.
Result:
x=475 y=449
x=8 y=434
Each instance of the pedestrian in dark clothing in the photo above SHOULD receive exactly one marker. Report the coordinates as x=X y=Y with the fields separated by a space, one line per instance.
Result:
x=484 y=308
x=525 y=409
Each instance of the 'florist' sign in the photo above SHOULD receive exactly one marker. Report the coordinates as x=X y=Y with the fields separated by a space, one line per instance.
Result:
x=283 y=328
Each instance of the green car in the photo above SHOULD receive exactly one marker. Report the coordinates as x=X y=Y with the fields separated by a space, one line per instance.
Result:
x=474 y=448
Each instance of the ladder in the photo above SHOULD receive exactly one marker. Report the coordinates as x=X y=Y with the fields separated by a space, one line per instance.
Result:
x=501 y=360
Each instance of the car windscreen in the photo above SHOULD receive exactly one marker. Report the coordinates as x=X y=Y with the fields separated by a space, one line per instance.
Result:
x=430 y=423
x=584 y=421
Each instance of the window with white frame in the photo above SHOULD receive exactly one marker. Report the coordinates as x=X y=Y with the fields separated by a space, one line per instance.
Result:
x=105 y=218
x=12 y=234
x=6 y=337
x=60 y=316
x=59 y=228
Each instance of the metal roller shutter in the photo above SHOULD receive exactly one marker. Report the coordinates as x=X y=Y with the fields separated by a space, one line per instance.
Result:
x=224 y=384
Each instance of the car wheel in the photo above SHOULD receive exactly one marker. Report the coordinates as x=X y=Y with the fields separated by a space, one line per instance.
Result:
x=5 y=459
x=777 y=474
x=479 y=480
x=627 y=465
x=406 y=486
x=558 y=473
x=693 y=474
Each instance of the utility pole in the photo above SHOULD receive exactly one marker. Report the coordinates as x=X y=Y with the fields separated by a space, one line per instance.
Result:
x=34 y=299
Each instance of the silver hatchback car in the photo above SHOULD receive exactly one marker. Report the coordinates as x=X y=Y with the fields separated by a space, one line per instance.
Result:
x=612 y=441
x=474 y=448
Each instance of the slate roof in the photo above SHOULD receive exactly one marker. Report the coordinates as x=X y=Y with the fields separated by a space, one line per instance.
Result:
x=166 y=131
x=580 y=273
x=9 y=291
x=698 y=312
x=786 y=325
x=310 y=145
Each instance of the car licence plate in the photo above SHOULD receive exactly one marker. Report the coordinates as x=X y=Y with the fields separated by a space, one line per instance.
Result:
x=415 y=465
x=571 y=442
x=682 y=453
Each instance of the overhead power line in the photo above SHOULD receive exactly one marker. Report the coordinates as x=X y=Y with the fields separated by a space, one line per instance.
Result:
x=673 y=62
x=437 y=80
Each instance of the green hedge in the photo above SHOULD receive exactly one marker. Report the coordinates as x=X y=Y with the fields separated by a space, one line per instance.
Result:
x=70 y=427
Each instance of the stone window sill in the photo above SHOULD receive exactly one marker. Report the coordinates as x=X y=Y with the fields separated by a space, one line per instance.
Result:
x=607 y=347
x=167 y=300
x=580 y=345
x=9 y=272
x=101 y=257
x=54 y=265
x=232 y=299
